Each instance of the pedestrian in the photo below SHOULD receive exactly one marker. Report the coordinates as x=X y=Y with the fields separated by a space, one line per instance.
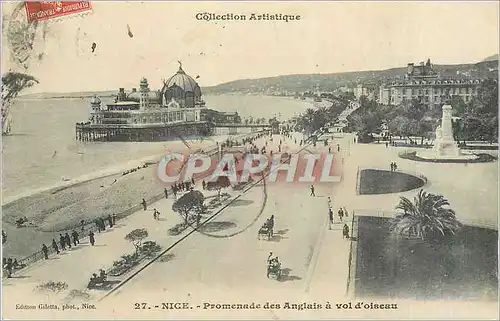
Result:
x=9 y=268
x=91 y=238
x=98 y=224
x=386 y=144
x=329 y=149
x=312 y=190
x=158 y=215
x=346 y=213
x=329 y=202
x=392 y=166
x=154 y=214
x=103 y=224
x=114 y=219
x=110 y=220
x=68 y=240
x=62 y=241
x=345 y=232
x=166 y=192
x=45 y=251
x=338 y=148
x=395 y=166
x=340 y=214
x=192 y=181
x=144 y=205
x=75 y=237
x=330 y=217
x=203 y=184
x=54 y=246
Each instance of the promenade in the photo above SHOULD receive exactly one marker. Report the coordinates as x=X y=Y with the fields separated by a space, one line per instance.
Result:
x=226 y=263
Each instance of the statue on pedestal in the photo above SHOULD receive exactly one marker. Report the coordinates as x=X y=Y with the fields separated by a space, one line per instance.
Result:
x=439 y=133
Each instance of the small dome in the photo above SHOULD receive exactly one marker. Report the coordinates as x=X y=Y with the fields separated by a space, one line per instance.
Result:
x=95 y=101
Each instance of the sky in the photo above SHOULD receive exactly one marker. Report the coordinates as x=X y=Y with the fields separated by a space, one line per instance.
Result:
x=330 y=37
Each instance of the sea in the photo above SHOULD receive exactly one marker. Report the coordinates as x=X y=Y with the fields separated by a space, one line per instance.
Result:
x=41 y=152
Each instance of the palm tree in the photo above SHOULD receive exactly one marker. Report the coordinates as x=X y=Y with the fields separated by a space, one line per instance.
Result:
x=426 y=218
x=12 y=84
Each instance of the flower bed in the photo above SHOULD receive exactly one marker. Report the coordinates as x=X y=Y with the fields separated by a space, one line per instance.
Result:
x=129 y=261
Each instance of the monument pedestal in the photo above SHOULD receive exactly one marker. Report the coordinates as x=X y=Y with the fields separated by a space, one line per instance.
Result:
x=444 y=149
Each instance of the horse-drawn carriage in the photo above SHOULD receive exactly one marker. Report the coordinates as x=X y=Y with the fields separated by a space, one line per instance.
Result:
x=267 y=229
x=274 y=268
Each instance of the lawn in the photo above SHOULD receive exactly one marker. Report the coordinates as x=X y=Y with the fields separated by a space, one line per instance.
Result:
x=464 y=268
x=376 y=181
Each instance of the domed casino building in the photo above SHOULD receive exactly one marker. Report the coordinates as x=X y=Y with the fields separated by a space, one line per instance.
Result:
x=176 y=110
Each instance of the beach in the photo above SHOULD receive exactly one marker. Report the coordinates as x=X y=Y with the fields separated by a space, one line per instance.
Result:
x=56 y=182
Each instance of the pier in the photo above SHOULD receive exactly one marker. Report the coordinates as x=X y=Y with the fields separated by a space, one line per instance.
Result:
x=88 y=132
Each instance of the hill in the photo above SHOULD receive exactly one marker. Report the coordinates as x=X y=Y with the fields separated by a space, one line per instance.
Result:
x=329 y=82
x=491 y=58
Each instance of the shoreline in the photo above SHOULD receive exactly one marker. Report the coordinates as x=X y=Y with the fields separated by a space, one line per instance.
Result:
x=104 y=173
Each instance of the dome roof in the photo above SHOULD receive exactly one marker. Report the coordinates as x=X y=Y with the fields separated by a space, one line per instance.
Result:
x=182 y=80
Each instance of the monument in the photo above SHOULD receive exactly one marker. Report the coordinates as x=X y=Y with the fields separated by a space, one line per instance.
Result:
x=445 y=145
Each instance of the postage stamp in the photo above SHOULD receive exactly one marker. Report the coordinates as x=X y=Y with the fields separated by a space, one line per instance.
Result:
x=44 y=10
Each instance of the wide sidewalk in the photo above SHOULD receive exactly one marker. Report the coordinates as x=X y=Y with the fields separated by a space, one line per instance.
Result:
x=330 y=266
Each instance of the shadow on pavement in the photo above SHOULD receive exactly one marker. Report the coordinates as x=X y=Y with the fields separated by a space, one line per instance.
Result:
x=285 y=276
x=240 y=202
x=216 y=226
x=166 y=258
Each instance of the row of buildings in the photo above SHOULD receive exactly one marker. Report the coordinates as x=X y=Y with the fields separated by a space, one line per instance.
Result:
x=420 y=82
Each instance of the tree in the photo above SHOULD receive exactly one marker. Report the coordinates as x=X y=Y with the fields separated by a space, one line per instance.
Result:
x=219 y=184
x=12 y=84
x=136 y=237
x=426 y=218
x=193 y=200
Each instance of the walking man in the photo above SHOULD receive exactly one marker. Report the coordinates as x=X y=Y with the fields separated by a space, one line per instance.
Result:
x=312 y=190
x=45 y=251
x=54 y=246
x=345 y=232
x=154 y=214
x=330 y=217
x=144 y=205
x=341 y=214
x=75 y=237
x=114 y=219
x=68 y=240
x=166 y=192
x=91 y=238
x=204 y=184
x=62 y=241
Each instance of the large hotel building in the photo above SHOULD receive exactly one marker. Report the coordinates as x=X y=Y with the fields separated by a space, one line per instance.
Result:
x=422 y=82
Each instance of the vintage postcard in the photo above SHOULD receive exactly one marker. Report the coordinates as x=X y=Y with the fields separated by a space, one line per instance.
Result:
x=249 y=160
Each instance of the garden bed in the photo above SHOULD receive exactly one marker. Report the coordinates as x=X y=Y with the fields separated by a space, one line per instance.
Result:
x=481 y=158
x=463 y=268
x=129 y=261
x=377 y=181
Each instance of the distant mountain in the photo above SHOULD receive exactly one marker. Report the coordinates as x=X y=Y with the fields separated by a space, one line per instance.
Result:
x=82 y=94
x=491 y=58
x=329 y=82
x=307 y=82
